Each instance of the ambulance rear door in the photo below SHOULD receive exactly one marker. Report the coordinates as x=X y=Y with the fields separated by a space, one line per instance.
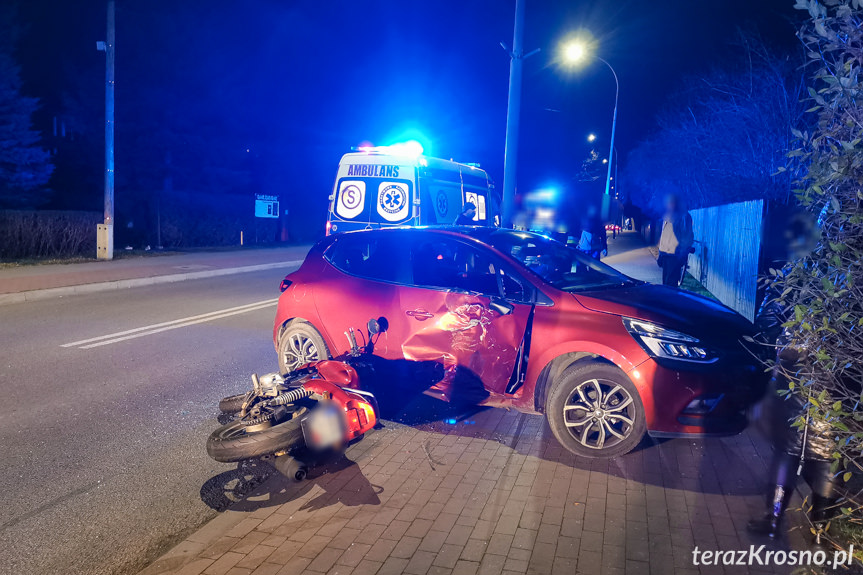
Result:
x=372 y=191
x=440 y=196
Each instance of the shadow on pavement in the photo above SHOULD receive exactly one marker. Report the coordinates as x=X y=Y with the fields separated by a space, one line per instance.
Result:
x=340 y=478
x=225 y=489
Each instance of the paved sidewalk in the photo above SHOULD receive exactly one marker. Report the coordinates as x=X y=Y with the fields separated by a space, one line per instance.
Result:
x=439 y=492
x=34 y=278
x=493 y=493
x=629 y=254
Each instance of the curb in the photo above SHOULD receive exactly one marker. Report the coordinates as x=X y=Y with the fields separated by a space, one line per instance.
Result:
x=41 y=294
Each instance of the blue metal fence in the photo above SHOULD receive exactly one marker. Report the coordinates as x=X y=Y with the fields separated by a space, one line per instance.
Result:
x=727 y=250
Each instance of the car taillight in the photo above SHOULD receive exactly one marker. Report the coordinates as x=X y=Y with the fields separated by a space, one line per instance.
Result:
x=286 y=283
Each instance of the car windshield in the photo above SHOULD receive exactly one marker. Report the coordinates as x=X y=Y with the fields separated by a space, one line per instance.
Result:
x=563 y=267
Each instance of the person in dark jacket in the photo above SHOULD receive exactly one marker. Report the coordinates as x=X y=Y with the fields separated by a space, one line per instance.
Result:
x=465 y=218
x=797 y=451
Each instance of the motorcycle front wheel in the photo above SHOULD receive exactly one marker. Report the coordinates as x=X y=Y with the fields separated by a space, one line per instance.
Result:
x=234 y=442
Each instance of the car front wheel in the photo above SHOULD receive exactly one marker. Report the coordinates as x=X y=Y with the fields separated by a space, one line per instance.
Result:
x=594 y=410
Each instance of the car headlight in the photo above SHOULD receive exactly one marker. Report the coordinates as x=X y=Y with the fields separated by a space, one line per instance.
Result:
x=662 y=342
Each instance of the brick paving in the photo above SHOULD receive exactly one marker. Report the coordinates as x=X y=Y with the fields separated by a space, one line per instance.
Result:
x=493 y=493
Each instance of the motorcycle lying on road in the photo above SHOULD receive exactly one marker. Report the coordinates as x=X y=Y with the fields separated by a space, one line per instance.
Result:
x=295 y=418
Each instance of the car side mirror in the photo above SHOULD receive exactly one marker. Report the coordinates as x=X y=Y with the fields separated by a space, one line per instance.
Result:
x=501 y=306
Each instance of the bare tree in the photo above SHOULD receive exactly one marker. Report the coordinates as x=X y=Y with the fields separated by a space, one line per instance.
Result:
x=724 y=136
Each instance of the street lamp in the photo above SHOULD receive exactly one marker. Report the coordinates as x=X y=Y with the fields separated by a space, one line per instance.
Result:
x=576 y=52
x=591 y=137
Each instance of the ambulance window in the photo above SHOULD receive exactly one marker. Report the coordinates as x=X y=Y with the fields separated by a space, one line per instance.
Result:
x=372 y=256
x=476 y=180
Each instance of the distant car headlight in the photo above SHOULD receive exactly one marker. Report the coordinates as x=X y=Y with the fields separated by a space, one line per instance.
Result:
x=662 y=342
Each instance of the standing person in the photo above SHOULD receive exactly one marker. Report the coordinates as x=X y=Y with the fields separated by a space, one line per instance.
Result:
x=594 y=240
x=797 y=451
x=675 y=242
x=465 y=218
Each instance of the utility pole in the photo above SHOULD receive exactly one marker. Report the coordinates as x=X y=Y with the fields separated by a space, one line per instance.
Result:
x=606 y=199
x=611 y=157
x=105 y=231
x=513 y=108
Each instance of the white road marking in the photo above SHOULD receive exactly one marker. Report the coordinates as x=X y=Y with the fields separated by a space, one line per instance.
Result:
x=168 y=325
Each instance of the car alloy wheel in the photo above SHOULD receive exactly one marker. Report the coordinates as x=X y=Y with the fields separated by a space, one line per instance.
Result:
x=594 y=410
x=599 y=414
x=300 y=351
x=300 y=344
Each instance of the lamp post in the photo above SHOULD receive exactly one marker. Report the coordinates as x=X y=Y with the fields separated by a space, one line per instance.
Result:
x=105 y=231
x=576 y=52
x=513 y=109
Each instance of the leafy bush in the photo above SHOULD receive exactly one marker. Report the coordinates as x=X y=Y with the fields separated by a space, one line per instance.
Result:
x=195 y=219
x=823 y=291
x=47 y=234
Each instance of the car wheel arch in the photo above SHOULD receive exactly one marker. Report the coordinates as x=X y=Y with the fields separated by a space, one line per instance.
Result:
x=553 y=370
x=298 y=320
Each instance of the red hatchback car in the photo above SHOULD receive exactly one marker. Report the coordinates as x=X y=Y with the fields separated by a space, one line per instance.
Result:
x=520 y=320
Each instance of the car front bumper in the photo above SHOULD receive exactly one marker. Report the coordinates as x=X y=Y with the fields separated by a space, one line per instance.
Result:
x=700 y=401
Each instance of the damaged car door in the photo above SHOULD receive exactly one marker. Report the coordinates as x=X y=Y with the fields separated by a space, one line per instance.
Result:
x=467 y=310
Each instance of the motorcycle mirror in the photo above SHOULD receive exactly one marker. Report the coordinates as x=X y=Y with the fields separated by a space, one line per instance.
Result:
x=374 y=326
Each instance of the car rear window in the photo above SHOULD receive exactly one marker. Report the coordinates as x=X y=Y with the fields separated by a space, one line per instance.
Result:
x=375 y=256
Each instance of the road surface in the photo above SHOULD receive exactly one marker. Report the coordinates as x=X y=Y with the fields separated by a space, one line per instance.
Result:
x=103 y=423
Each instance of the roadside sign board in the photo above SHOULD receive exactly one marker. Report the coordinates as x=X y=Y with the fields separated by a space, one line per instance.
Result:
x=266 y=206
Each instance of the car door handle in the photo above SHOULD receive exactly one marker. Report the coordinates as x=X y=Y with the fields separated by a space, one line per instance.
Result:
x=419 y=314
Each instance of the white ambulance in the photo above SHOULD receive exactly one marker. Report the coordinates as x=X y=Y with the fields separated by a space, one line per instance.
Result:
x=388 y=186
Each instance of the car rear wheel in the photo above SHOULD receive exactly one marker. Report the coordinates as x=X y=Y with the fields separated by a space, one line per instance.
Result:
x=300 y=344
x=594 y=410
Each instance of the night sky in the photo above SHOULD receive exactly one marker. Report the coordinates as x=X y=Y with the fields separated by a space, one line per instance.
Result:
x=298 y=83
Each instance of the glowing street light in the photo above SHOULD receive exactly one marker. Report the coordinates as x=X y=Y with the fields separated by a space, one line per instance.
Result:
x=575 y=52
x=591 y=137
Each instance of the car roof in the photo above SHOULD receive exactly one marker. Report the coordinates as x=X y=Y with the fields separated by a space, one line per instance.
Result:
x=483 y=234
x=478 y=232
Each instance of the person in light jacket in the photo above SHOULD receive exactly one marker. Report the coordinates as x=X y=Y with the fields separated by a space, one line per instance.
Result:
x=675 y=243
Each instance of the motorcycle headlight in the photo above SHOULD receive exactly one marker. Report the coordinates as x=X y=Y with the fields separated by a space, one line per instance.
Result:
x=666 y=343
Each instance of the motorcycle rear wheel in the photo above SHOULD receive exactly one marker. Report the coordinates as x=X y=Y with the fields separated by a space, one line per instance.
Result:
x=232 y=442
